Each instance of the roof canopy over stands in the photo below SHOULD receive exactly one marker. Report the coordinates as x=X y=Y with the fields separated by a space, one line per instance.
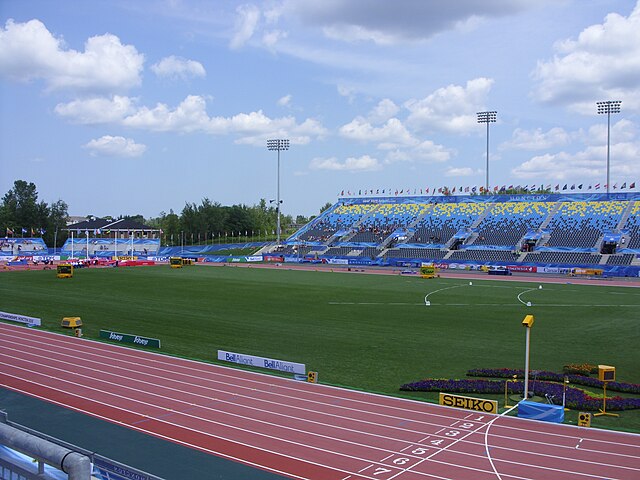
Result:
x=121 y=227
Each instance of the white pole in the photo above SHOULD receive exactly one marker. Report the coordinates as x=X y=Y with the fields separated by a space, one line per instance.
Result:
x=526 y=366
x=115 y=244
x=71 y=243
x=87 y=232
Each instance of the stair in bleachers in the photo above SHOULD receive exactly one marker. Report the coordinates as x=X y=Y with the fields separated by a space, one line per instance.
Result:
x=552 y=213
x=625 y=215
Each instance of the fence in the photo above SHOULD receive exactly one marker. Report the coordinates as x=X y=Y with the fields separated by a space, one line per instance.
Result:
x=31 y=455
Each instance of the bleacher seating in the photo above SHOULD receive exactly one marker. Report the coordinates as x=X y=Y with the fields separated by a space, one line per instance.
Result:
x=564 y=230
x=581 y=258
x=632 y=225
x=423 y=253
x=580 y=224
x=105 y=247
x=621 y=259
x=22 y=246
x=508 y=222
x=445 y=220
x=484 y=255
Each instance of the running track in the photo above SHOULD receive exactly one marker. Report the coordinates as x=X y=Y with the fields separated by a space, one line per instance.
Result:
x=301 y=430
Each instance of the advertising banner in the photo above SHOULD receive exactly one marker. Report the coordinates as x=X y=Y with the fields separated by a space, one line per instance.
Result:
x=14 y=317
x=262 y=362
x=128 y=338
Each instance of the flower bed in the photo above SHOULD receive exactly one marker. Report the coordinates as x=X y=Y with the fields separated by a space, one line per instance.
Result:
x=575 y=398
x=575 y=379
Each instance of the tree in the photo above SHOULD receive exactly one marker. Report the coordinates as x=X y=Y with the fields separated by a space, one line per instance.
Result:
x=20 y=208
x=55 y=235
x=326 y=206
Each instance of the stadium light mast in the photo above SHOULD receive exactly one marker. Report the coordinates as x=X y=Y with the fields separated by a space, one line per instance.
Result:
x=608 y=107
x=278 y=144
x=487 y=117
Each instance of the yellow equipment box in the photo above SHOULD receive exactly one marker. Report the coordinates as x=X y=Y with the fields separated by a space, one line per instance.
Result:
x=71 y=322
x=65 y=270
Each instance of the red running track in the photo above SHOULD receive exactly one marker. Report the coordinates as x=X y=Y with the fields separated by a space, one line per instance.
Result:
x=297 y=429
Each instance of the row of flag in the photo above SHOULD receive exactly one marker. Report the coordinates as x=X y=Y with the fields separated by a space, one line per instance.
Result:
x=11 y=232
x=475 y=189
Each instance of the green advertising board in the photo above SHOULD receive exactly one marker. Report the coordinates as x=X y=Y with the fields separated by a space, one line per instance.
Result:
x=128 y=338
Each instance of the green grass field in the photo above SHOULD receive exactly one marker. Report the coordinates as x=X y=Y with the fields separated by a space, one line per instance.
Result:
x=370 y=332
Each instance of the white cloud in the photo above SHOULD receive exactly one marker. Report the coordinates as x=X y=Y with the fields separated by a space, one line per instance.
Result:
x=246 y=25
x=285 y=101
x=188 y=117
x=586 y=165
x=177 y=67
x=272 y=37
x=390 y=135
x=28 y=51
x=424 y=152
x=603 y=63
x=621 y=131
x=97 y=110
x=352 y=164
x=382 y=112
x=384 y=22
x=452 y=108
x=537 y=139
x=347 y=92
x=115 y=147
x=462 y=172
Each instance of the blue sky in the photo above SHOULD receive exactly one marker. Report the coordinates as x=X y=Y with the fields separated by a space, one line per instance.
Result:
x=121 y=107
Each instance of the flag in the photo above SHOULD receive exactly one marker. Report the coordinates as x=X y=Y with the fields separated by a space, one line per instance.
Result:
x=42 y=231
x=624 y=185
x=565 y=187
x=573 y=187
x=427 y=190
x=597 y=187
x=342 y=193
x=9 y=231
x=633 y=185
x=495 y=189
x=24 y=230
x=615 y=185
x=466 y=189
x=557 y=187
x=580 y=187
x=473 y=189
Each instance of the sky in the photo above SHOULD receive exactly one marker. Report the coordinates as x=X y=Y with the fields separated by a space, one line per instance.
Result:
x=125 y=108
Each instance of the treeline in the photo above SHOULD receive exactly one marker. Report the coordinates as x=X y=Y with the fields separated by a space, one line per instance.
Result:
x=22 y=215
x=209 y=222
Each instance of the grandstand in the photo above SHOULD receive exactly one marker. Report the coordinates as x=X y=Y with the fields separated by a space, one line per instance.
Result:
x=543 y=232
x=101 y=237
x=22 y=247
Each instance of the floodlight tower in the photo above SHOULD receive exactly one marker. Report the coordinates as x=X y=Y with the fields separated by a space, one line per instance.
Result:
x=278 y=144
x=487 y=117
x=608 y=107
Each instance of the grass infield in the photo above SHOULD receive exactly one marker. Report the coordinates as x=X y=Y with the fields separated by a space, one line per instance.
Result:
x=371 y=332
